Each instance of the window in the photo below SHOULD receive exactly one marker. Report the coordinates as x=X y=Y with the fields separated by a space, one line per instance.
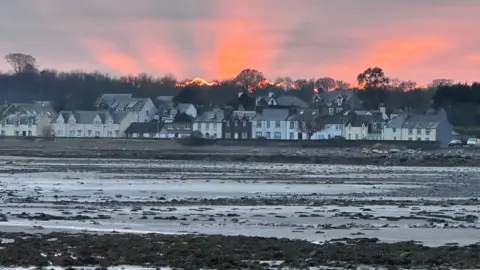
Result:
x=419 y=131
x=59 y=133
x=109 y=134
x=97 y=133
x=268 y=124
x=349 y=136
x=278 y=136
x=207 y=125
x=258 y=134
x=214 y=126
x=117 y=132
x=410 y=131
x=427 y=139
x=339 y=110
x=338 y=127
x=394 y=129
x=267 y=135
x=89 y=132
x=245 y=135
x=394 y=138
x=29 y=133
x=322 y=136
x=227 y=135
x=147 y=113
x=215 y=135
x=259 y=124
x=244 y=123
x=291 y=134
x=3 y=132
x=356 y=136
x=419 y=138
x=410 y=138
x=228 y=123
x=236 y=123
x=329 y=136
x=97 y=122
x=427 y=131
x=72 y=133
x=277 y=124
x=79 y=132
x=330 y=111
x=292 y=125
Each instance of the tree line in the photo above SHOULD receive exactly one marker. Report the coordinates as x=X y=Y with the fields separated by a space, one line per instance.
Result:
x=79 y=90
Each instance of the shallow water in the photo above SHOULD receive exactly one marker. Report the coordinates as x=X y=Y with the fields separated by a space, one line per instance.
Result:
x=82 y=184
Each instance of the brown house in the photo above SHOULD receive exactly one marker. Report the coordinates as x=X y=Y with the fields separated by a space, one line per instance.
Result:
x=237 y=124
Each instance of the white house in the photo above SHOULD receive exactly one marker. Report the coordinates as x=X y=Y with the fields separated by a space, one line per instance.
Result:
x=142 y=109
x=433 y=126
x=92 y=124
x=168 y=109
x=332 y=128
x=27 y=119
x=271 y=123
x=210 y=123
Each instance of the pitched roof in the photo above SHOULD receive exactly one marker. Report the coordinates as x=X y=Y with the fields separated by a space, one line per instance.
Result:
x=35 y=108
x=330 y=96
x=304 y=115
x=215 y=115
x=88 y=117
x=142 y=128
x=121 y=102
x=422 y=121
x=272 y=114
x=183 y=107
x=289 y=100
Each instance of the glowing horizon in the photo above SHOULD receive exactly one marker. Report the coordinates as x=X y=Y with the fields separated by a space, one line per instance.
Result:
x=216 y=39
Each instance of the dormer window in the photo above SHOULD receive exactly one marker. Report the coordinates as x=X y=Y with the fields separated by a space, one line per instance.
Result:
x=97 y=122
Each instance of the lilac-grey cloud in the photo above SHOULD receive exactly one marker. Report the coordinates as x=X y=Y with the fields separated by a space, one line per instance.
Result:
x=312 y=37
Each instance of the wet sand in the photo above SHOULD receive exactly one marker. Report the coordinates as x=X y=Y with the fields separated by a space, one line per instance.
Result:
x=311 y=206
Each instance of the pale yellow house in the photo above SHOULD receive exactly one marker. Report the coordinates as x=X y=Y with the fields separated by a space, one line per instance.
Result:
x=363 y=127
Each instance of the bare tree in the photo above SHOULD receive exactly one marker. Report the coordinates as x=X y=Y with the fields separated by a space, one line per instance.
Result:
x=441 y=82
x=343 y=85
x=46 y=131
x=21 y=62
x=326 y=84
x=248 y=79
x=408 y=85
x=311 y=126
x=168 y=79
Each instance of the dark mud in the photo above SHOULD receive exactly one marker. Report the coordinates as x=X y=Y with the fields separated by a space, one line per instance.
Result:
x=222 y=252
x=340 y=157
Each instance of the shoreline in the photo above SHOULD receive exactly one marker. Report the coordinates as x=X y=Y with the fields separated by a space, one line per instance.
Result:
x=331 y=157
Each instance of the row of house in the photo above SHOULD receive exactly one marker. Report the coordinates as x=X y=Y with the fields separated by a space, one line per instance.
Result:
x=329 y=115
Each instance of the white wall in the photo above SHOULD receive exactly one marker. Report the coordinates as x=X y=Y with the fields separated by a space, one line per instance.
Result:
x=263 y=130
x=211 y=128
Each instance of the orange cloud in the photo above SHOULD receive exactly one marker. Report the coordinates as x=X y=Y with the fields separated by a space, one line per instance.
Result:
x=110 y=56
x=473 y=58
x=397 y=53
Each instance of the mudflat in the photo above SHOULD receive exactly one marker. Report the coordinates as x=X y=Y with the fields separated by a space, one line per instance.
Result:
x=74 y=212
x=387 y=155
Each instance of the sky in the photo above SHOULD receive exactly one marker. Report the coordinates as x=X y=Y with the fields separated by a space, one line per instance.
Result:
x=417 y=40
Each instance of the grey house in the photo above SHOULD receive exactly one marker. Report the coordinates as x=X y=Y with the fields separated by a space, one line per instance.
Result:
x=433 y=126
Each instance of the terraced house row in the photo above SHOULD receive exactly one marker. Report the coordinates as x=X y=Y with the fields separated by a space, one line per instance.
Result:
x=329 y=115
